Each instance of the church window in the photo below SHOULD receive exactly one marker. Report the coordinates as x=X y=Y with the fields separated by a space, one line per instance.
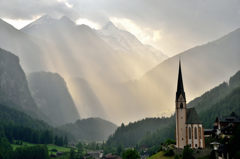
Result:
x=200 y=132
x=195 y=132
x=190 y=132
x=181 y=105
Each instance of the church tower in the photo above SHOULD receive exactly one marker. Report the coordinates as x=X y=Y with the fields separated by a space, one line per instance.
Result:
x=181 y=112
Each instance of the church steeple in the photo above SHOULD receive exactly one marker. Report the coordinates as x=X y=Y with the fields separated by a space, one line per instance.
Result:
x=180 y=88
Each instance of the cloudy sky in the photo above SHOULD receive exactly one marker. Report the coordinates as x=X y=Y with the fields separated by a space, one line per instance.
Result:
x=169 y=25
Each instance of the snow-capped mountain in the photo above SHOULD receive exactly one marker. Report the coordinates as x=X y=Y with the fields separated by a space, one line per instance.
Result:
x=45 y=23
x=77 y=51
x=125 y=42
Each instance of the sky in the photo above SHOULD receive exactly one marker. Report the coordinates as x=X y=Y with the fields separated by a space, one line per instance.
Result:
x=171 y=26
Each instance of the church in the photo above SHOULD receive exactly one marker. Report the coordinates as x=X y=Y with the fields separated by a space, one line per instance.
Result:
x=189 y=129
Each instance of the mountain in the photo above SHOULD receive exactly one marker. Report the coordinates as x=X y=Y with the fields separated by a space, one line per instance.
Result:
x=52 y=97
x=77 y=51
x=219 y=101
x=11 y=116
x=126 y=43
x=91 y=129
x=27 y=48
x=203 y=67
x=80 y=52
x=14 y=89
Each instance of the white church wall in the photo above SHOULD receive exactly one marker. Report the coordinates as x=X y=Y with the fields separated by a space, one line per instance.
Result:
x=181 y=120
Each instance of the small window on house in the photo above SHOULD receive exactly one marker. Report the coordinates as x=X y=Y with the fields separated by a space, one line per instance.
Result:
x=195 y=145
x=190 y=132
x=181 y=105
x=195 y=132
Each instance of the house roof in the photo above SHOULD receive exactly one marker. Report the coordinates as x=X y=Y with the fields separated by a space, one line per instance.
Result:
x=233 y=118
x=192 y=117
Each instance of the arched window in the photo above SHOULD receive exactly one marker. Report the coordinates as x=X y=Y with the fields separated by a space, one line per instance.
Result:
x=195 y=132
x=200 y=132
x=190 y=132
x=181 y=105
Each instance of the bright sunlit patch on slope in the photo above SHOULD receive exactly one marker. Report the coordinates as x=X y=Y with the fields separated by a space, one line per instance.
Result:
x=19 y=23
x=145 y=35
x=88 y=22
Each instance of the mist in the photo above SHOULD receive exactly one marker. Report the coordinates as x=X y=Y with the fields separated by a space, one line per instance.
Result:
x=110 y=73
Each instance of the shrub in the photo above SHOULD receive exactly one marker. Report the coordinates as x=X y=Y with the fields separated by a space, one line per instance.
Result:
x=187 y=153
x=169 y=153
x=130 y=154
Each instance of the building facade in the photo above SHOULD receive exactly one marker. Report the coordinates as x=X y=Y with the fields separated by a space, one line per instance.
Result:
x=189 y=129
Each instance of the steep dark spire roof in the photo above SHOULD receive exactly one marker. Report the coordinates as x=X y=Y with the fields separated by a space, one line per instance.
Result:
x=180 y=88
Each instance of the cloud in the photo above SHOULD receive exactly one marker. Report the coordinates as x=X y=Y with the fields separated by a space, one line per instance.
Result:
x=29 y=9
x=88 y=22
x=172 y=25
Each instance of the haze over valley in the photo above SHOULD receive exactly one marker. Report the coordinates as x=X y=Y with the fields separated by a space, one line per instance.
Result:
x=87 y=79
x=109 y=73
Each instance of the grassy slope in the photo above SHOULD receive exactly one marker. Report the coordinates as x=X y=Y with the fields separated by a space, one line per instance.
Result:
x=50 y=147
x=160 y=155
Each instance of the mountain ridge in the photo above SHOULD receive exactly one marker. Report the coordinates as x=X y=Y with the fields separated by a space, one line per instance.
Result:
x=90 y=129
x=14 y=90
x=52 y=97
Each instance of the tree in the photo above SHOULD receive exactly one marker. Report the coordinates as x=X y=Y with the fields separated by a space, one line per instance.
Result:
x=130 y=154
x=5 y=149
x=119 y=149
x=65 y=141
x=36 y=152
x=72 y=154
x=80 y=150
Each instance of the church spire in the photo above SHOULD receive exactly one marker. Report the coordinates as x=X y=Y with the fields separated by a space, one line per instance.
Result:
x=180 y=88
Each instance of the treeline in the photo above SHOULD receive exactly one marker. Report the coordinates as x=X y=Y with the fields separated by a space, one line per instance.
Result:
x=16 y=125
x=25 y=152
x=91 y=129
x=13 y=132
x=144 y=133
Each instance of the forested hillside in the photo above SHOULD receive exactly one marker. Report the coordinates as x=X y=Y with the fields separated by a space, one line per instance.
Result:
x=91 y=129
x=51 y=94
x=14 y=90
x=16 y=125
x=219 y=101
x=224 y=107
x=140 y=131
